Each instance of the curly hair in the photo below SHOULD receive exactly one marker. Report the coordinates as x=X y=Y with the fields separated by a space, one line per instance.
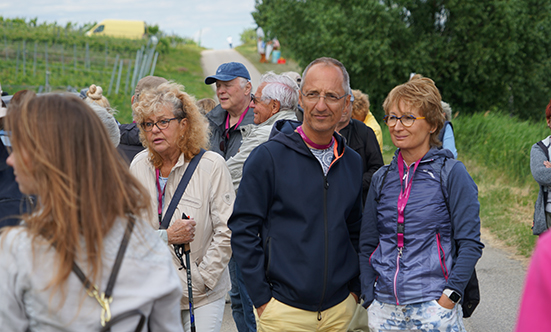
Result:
x=420 y=93
x=192 y=137
x=360 y=105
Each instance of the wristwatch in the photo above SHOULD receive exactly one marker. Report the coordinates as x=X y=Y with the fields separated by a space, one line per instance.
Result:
x=453 y=295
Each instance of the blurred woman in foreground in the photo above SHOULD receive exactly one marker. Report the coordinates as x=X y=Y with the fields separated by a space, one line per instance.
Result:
x=420 y=237
x=86 y=202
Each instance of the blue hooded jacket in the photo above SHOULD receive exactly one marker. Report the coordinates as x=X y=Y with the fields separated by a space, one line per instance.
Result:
x=294 y=229
x=441 y=246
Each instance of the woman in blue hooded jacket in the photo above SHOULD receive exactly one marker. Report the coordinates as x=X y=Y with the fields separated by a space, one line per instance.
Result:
x=420 y=236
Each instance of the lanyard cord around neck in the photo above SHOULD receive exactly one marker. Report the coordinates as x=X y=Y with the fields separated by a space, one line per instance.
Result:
x=161 y=193
x=311 y=143
x=403 y=197
x=236 y=125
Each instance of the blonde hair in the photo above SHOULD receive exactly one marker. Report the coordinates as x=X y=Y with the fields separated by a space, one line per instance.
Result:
x=82 y=182
x=95 y=95
x=206 y=105
x=360 y=105
x=193 y=137
x=420 y=93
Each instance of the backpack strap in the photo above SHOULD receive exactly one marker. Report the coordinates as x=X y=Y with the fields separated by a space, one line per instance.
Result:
x=180 y=190
x=544 y=148
x=105 y=299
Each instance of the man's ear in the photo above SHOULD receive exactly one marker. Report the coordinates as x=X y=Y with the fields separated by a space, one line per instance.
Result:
x=276 y=106
x=248 y=88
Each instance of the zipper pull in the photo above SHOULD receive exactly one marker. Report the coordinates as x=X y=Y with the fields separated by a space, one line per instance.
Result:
x=400 y=252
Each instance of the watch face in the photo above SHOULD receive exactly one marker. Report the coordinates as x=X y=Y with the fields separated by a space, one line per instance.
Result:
x=455 y=297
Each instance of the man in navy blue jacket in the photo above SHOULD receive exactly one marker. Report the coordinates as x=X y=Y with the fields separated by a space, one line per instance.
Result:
x=298 y=211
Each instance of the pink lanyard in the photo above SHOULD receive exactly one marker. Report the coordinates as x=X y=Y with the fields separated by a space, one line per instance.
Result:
x=161 y=194
x=227 y=131
x=311 y=143
x=403 y=197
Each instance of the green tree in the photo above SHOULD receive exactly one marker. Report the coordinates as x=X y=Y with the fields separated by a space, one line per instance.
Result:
x=483 y=55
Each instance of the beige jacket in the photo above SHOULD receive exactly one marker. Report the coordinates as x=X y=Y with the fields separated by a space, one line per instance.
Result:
x=208 y=199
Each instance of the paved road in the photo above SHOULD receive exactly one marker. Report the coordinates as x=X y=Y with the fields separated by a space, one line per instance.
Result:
x=501 y=280
x=211 y=59
x=501 y=277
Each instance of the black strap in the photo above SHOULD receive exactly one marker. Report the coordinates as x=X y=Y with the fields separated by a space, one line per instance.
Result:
x=116 y=266
x=180 y=190
x=544 y=148
x=91 y=288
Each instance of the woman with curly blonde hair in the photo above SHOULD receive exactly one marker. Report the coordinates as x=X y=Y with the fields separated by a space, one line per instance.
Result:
x=86 y=201
x=174 y=132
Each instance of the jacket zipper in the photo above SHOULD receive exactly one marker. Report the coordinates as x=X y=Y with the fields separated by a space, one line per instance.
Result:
x=396 y=275
x=325 y=187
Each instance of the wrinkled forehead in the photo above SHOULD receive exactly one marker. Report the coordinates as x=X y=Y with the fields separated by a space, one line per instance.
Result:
x=324 y=76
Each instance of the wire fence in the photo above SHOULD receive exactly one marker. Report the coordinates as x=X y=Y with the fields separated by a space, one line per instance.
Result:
x=46 y=66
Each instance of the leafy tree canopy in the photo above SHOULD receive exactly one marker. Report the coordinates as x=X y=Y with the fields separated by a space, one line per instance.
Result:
x=483 y=55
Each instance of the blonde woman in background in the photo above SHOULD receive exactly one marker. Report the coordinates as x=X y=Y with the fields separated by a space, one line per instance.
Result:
x=361 y=112
x=174 y=132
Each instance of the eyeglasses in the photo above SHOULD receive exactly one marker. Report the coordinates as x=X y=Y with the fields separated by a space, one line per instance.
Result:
x=330 y=98
x=225 y=140
x=254 y=99
x=407 y=120
x=161 y=124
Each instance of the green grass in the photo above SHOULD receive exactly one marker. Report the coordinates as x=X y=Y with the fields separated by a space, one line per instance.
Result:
x=496 y=151
x=249 y=52
x=181 y=65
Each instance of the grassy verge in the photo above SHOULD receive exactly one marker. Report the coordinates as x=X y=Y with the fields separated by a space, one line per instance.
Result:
x=496 y=150
x=250 y=53
x=182 y=65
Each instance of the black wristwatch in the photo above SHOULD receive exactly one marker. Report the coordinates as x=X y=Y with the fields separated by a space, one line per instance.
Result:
x=453 y=295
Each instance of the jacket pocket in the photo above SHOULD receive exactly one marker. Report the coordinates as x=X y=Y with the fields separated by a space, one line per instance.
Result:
x=441 y=256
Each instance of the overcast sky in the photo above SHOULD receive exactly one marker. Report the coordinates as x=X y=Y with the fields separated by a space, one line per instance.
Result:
x=210 y=20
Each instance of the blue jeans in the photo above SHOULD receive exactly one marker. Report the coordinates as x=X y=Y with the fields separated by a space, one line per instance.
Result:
x=241 y=304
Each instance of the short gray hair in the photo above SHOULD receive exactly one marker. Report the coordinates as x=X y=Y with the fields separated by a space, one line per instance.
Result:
x=333 y=62
x=281 y=88
x=109 y=122
x=447 y=110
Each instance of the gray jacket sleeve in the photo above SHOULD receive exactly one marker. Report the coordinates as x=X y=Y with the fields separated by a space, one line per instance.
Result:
x=541 y=174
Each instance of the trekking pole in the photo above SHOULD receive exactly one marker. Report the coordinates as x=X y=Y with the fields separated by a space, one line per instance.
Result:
x=185 y=249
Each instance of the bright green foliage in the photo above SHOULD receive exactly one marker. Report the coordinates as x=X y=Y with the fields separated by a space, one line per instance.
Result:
x=483 y=55
x=248 y=36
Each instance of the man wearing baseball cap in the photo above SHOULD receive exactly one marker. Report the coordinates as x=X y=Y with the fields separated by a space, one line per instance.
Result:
x=233 y=89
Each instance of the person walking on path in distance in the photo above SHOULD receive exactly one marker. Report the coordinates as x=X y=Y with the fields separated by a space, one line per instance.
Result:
x=233 y=89
x=298 y=211
x=276 y=98
x=87 y=207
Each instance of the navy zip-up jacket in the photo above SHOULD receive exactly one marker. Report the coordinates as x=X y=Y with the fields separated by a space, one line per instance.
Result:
x=295 y=230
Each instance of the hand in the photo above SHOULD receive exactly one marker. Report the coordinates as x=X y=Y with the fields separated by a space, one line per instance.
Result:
x=547 y=164
x=445 y=302
x=181 y=231
x=355 y=297
x=260 y=309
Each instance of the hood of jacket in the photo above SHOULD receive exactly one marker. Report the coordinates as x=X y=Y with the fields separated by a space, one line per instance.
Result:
x=284 y=132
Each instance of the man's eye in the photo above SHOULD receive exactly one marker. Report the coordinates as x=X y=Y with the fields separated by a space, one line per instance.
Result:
x=312 y=94
x=331 y=97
